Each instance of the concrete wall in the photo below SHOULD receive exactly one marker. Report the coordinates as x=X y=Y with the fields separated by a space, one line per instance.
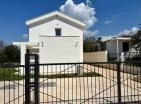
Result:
x=100 y=56
x=23 y=52
x=60 y=49
x=112 y=46
x=48 y=29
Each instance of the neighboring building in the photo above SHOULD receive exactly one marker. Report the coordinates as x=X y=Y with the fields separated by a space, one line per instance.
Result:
x=113 y=46
x=56 y=37
x=116 y=45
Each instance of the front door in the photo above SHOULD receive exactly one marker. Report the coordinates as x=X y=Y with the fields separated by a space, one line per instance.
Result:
x=125 y=46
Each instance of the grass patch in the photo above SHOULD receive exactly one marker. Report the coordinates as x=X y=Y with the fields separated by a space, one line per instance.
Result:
x=8 y=74
x=71 y=75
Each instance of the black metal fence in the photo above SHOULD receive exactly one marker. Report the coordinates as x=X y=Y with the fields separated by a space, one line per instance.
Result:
x=71 y=83
x=127 y=56
x=12 y=84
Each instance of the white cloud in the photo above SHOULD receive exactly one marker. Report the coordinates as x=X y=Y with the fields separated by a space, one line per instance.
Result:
x=115 y=15
x=108 y=21
x=89 y=33
x=127 y=32
x=25 y=36
x=80 y=11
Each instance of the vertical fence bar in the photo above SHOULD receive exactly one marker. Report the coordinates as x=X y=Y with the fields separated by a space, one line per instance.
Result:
x=118 y=82
x=36 y=79
x=27 y=78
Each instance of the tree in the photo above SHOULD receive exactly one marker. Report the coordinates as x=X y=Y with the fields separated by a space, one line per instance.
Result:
x=10 y=54
x=13 y=53
x=1 y=45
x=3 y=58
x=137 y=37
x=135 y=52
x=88 y=44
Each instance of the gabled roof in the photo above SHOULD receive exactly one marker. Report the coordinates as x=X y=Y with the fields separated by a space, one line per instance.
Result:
x=56 y=14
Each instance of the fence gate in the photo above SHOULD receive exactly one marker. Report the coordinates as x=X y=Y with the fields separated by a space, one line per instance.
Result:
x=82 y=83
x=70 y=83
x=31 y=79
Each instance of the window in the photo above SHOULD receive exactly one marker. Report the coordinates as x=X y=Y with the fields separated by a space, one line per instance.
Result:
x=58 y=31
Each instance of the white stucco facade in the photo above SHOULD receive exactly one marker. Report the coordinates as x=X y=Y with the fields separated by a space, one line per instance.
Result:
x=115 y=46
x=66 y=48
x=48 y=29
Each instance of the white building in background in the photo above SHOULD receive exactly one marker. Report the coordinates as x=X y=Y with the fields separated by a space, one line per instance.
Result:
x=117 y=45
x=56 y=37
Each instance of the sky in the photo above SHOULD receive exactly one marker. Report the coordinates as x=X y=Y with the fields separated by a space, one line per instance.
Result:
x=103 y=17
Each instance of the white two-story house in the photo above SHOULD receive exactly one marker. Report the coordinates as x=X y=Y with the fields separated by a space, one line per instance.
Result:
x=56 y=37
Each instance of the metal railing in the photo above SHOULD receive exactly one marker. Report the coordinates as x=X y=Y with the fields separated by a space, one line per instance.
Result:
x=71 y=83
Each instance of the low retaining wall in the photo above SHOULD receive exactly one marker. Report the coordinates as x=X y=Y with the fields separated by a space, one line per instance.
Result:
x=100 y=56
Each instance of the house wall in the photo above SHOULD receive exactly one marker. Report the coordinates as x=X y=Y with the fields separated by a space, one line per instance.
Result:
x=100 y=56
x=55 y=50
x=23 y=47
x=60 y=49
x=112 y=47
x=23 y=52
x=121 y=44
x=48 y=29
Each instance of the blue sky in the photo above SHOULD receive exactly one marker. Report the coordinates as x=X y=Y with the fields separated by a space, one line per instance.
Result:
x=113 y=16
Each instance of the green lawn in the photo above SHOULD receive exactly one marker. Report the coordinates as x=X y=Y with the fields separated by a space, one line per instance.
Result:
x=70 y=75
x=8 y=74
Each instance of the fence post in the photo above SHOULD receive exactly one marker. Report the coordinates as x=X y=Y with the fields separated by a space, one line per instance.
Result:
x=118 y=82
x=36 y=76
x=27 y=78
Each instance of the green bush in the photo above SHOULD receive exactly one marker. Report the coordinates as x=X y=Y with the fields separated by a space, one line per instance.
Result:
x=10 y=54
x=3 y=58
x=8 y=74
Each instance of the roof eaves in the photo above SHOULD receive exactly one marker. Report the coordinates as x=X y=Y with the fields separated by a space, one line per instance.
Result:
x=30 y=21
x=40 y=16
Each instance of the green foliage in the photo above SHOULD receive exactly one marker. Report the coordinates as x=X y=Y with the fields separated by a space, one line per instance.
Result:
x=8 y=74
x=3 y=58
x=137 y=37
x=10 y=54
x=88 y=44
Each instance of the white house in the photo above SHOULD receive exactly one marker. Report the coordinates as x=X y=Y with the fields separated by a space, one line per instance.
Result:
x=117 y=45
x=56 y=37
